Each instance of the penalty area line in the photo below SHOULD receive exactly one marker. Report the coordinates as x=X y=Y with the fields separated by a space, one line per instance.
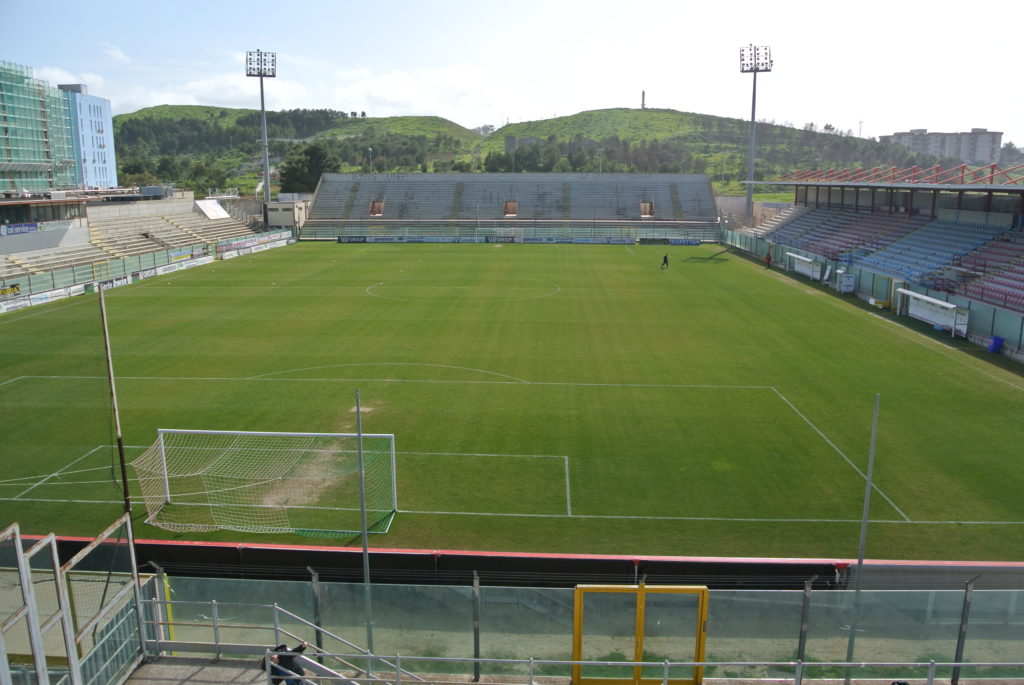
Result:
x=842 y=454
x=58 y=472
x=568 y=497
x=483 y=454
x=731 y=519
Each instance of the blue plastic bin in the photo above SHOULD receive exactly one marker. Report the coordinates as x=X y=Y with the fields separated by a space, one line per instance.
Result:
x=996 y=344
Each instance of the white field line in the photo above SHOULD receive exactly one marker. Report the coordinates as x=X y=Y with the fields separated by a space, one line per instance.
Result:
x=630 y=250
x=565 y=384
x=831 y=444
x=36 y=313
x=58 y=472
x=568 y=496
x=435 y=366
x=568 y=514
x=580 y=516
x=564 y=458
x=64 y=472
x=943 y=349
x=703 y=518
x=11 y=380
x=483 y=454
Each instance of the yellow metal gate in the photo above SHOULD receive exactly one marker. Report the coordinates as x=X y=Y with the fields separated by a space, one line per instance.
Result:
x=638 y=623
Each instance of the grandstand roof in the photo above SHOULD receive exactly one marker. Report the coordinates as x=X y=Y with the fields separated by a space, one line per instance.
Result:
x=990 y=178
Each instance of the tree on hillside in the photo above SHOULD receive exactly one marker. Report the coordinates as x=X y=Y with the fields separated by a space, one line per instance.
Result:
x=303 y=167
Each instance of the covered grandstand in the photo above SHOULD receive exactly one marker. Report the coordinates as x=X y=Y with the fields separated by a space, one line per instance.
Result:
x=954 y=235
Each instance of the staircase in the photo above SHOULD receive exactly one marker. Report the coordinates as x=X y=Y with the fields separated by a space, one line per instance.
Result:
x=677 y=205
x=457 y=201
x=351 y=201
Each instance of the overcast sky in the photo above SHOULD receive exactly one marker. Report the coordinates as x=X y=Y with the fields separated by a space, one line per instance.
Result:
x=869 y=67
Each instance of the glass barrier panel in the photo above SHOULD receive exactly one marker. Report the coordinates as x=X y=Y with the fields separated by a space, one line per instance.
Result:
x=609 y=633
x=995 y=632
x=752 y=625
x=517 y=623
x=426 y=620
x=670 y=631
x=244 y=611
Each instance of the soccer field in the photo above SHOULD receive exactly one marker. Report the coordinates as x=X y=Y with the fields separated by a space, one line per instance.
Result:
x=544 y=398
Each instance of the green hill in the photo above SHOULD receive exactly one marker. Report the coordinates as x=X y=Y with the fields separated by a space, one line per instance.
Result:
x=403 y=126
x=598 y=124
x=222 y=116
x=206 y=147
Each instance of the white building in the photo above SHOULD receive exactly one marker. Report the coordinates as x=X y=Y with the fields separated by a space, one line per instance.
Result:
x=93 y=127
x=980 y=146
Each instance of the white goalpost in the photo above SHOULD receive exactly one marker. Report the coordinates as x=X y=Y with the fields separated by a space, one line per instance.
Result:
x=268 y=482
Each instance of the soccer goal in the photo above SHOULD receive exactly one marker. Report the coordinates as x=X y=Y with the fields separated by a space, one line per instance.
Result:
x=305 y=483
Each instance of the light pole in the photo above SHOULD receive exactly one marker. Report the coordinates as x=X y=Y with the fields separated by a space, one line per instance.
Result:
x=371 y=160
x=263 y=65
x=753 y=59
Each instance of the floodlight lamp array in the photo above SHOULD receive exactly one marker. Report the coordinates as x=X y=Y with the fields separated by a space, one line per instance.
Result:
x=755 y=58
x=259 y=63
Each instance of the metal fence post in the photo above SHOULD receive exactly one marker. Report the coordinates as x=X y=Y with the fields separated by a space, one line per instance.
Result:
x=931 y=673
x=277 y=625
x=216 y=629
x=962 y=636
x=476 y=627
x=801 y=649
x=315 y=585
x=798 y=677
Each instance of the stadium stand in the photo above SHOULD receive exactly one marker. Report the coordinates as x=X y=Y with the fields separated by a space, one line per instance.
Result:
x=998 y=268
x=125 y=236
x=551 y=197
x=987 y=260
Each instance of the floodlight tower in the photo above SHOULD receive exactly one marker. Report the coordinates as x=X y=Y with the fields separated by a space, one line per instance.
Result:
x=263 y=65
x=753 y=58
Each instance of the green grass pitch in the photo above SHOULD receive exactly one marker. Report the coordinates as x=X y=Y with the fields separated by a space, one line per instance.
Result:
x=544 y=398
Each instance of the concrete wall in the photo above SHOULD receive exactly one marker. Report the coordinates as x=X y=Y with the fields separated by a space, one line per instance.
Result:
x=141 y=208
x=43 y=240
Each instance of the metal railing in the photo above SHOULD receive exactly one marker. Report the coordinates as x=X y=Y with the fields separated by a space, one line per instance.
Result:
x=159 y=631
x=355 y=664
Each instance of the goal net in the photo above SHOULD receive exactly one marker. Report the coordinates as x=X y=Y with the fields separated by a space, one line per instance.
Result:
x=305 y=483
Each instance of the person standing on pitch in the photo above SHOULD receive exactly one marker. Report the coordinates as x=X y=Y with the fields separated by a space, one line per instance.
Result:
x=664 y=261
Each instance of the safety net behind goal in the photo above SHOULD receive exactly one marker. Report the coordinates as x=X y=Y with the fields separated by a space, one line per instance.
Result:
x=305 y=483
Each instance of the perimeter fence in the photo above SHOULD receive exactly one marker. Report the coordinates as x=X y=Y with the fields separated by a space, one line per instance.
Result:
x=510 y=630
x=509 y=230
